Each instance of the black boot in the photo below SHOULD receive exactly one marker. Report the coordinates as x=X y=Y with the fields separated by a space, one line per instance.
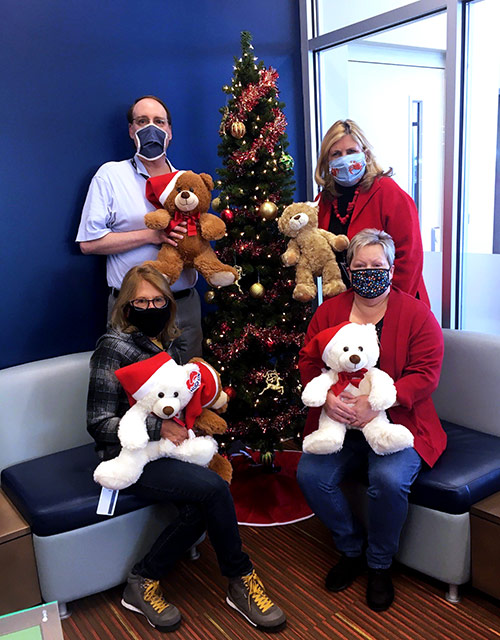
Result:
x=344 y=572
x=379 y=592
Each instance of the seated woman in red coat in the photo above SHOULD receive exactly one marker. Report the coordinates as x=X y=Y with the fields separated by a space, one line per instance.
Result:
x=357 y=194
x=411 y=352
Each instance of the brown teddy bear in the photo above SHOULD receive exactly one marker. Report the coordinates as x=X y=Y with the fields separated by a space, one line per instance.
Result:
x=311 y=251
x=185 y=196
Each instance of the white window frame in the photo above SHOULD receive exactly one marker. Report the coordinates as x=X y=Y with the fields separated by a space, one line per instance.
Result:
x=312 y=45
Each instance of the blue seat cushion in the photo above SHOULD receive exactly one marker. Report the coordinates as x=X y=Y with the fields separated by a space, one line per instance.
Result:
x=467 y=471
x=57 y=493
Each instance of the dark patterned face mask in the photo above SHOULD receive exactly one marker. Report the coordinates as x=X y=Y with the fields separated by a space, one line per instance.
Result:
x=370 y=283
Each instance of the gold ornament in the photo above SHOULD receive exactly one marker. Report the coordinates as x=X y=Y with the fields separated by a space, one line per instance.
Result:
x=209 y=296
x=216 y=205
x=208 y=342
x=225 y=115
x=273 y=381
x=268 y=210
x=238 y=129
x=240 y=273
x=257 y=290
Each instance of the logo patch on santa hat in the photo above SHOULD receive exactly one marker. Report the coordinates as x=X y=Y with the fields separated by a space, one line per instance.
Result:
x=194 y=381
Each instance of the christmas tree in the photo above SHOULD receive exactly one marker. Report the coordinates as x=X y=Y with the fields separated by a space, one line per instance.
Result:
x=254 y=336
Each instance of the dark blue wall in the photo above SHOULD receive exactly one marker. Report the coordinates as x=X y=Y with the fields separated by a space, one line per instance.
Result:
x=70 y=69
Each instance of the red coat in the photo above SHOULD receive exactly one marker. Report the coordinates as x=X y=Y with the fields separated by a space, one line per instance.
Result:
x=387 y=207
x=411 y=352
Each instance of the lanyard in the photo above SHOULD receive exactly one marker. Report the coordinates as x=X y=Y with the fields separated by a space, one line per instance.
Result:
x=145 y=175
x=134 y=164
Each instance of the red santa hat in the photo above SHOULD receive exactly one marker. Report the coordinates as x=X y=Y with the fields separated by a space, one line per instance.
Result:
x=140 y=378
x=158 y=188
x=323 y=341
x=205 y=394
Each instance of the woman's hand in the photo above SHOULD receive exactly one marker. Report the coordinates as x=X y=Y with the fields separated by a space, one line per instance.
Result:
x=363 y=411
x=174 y=432
x=337 y=409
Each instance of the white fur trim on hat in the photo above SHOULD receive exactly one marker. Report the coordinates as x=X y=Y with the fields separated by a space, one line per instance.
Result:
x=153 y=380
x=170 y=185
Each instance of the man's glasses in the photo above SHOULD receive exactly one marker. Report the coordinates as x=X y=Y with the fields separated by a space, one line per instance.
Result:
x=143 y=121
x=159 y=302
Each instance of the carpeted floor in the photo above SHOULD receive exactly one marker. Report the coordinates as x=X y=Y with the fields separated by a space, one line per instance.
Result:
x=292 y=561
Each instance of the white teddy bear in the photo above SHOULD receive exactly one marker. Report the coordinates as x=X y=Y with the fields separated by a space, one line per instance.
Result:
x=160 y=386
x=351 y=351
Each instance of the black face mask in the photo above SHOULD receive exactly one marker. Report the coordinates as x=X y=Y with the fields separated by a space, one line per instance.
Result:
x=150 y=322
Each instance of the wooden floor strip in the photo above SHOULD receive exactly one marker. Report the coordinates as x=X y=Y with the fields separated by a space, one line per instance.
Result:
x=292 y=561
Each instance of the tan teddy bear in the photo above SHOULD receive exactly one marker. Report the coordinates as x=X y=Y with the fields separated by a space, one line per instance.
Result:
x=311 y=250
x=185 y=196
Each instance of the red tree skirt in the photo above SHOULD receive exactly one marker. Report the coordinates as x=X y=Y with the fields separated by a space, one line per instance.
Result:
x=266 y=499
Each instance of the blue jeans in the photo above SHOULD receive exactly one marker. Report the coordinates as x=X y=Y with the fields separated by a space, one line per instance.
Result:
x=204 y=503
x=389 y=480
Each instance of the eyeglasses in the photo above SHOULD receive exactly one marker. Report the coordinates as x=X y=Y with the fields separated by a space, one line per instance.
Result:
x=142 y=121
x=159 y=302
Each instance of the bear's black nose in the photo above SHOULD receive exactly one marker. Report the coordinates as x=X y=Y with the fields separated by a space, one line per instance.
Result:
x=185 y=195
x=355 y=359
x=168 y=411
x=297 y=217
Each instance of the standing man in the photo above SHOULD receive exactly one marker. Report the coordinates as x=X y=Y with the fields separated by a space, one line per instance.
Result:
x=112 y=222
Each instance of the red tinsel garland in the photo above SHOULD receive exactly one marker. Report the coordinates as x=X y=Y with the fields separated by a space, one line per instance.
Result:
x=267 y=337
x=251 y=95
x=255 y=249
x=275 y=423
x=267 y=139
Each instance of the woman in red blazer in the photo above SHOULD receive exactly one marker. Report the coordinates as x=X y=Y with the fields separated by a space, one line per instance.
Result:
x=357 y=194
x=411 y=352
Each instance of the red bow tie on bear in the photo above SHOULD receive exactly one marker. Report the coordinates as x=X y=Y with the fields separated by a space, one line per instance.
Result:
x=190 y=218
x=346 y=378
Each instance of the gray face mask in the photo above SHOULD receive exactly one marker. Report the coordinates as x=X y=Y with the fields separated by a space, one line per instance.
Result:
x=151 y=142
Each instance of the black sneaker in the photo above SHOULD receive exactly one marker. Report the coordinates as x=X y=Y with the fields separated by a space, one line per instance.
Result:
x=379 y=592
x=144 y=596
x=344 y=572
x=247 y=595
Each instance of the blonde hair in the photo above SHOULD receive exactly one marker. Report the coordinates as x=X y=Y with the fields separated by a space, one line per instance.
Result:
x=336 y=132
x=367 y=237
x=131 y=281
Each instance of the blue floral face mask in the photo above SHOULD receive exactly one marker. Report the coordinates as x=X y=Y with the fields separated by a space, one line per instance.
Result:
x=370 y=283
x=151 y=142
x=348 y=170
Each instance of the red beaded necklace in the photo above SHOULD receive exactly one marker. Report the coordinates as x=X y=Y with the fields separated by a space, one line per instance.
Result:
x=350 y=208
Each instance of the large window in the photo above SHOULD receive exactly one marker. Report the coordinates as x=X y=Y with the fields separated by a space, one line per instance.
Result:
x=422 y=80
x=392 y=85
x=480 y=222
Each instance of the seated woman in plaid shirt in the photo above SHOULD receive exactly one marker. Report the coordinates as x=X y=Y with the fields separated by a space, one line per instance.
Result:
x=142 y=325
